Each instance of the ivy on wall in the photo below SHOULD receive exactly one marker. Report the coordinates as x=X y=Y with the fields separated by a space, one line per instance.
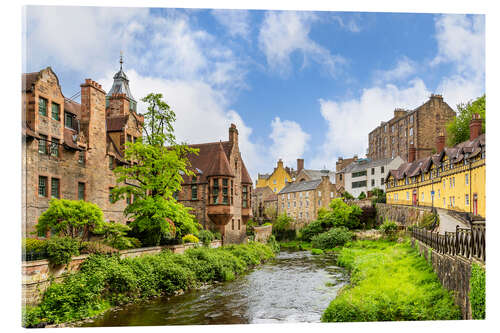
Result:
x=477 y=293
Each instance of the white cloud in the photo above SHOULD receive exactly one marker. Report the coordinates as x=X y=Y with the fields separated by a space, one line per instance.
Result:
x=237 y=22
x=283 y=33
x=289 y=140
x=348 y=24
x=350 y=121
x=404 y=68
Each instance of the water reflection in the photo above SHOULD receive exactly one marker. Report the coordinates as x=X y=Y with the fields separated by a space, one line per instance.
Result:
x=294 y=287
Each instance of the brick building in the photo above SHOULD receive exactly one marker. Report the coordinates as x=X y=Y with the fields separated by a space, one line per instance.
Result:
x=70 y=149
x=417 y=127
x=302 y=199
x=220 y=192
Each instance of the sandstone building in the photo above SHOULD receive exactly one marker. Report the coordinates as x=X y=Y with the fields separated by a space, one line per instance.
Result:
x=339 y=176
x=70 y=149
x=417 y=127
x=263 y=198
x=277 y=179
x=221 y=190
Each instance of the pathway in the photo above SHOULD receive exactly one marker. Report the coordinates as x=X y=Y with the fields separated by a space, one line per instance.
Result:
x=447 y=222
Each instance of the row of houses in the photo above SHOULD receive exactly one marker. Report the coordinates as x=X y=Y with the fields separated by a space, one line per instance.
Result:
x=70 y=150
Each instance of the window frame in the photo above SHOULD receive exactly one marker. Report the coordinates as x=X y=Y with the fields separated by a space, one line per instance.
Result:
x=58 y=117
x=45 y=102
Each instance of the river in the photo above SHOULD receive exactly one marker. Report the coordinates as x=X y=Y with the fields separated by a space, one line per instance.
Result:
x=293 y=287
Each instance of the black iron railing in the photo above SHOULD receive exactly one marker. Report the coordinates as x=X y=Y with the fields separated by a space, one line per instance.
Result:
x=32 y=255
x=465 y=242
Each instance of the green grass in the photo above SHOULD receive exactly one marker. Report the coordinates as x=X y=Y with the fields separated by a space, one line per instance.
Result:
x=389 y=282
x=105 y=281
x=296 y=245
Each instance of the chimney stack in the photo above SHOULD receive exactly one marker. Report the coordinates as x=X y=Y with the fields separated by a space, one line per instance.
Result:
x=412 y=151
x=280 y=163
x=300 y=164
x=475 y=126
x=233 y=134
x=440 y=142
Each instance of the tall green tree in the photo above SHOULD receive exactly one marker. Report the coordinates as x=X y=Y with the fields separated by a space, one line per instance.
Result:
x=157 y=165
x=457 y=129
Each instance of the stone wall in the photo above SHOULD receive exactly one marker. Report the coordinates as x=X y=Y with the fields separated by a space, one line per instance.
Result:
x=263 y=233
x=454 y=273
x=37 y=275
x=403 y=215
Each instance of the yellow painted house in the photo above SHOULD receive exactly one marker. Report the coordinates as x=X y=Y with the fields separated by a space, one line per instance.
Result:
x=277 y=180
x=453 y=179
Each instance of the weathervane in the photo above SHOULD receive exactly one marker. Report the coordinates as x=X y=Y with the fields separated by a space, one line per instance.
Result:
x=121 y=59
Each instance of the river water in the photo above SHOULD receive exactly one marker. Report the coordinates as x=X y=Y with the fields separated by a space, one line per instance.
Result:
x=293 y=287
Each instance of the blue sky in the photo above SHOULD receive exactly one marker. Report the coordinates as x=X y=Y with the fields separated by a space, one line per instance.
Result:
x=297 y=84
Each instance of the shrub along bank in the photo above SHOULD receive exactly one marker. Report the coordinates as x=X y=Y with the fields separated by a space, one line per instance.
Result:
x=389 y=282
x=104 y=281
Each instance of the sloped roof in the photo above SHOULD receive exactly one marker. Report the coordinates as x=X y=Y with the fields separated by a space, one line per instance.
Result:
x=70 y=139
x=301 y=186
x=205 y=162
x=219 y=164
x=72 y=107
x=317 y=174
x=245 y=177
x=120 y=85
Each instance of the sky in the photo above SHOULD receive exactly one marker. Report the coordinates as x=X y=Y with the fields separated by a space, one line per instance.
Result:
x=297 y=84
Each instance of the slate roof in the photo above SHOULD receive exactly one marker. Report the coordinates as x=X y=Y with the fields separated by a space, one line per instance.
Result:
x=205 y=159
x=301 y=186
x=317 y=174
x=363 y=164
x=120 y=85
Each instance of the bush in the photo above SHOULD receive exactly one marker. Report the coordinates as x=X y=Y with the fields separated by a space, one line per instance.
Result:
x=189 y=238
x=312 y=229
x=273 y=244
x=217 y=235
x=341 y=215
x=428 y=220
x=332 y=238
x=267 y=223
x=33 y=248
x=389 y=228
x=477 y=293
x=206 y=237
x=115 y=236
x=362 y=196
x=316 y=251
x=61 y=249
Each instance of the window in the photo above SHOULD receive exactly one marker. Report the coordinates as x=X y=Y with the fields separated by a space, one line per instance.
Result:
x=422 y=178
x=453 y=181
x=300 y=204
x=450 y=182
x=225 y=191
x=307 y=215
x=444 y=202
x=81 y=157
x=300 y=215
x=288 y=196
x=319 y=193
x=422 y=196
x=232 y=186
x=411 y=119
x=232 y=224
x=128 y=199
x=300 y=195
x=274 y=181
x=282 y=205
x=439 y=193
x=307 y=194
x=54 y=147
x=373 y=171
x=275 y=189
x=373 y=182
x=381 y=181
x=444 y=184
x=340 y=177
x=319 y=202
x=385 y=128
x=239 y=224
x=453 y=201
x=42 y=144
x=68 y=120
x=245 y=196
x=111 y=195
x=407 y=195
x=215 y=191
x=55 y=111
x=175 y=195
x=194 y=192
x=359 y=174
x=411 y=131
x=288 y=204
x=466 y=199
x=129 y=138
x=307 y=203
x=382 y=169
x=42 y=106
x=81 y=191
x=294 y=204
x=42 y=186
x=54 y=188
x=331 y=195
x=359 y=184
x=392 y=128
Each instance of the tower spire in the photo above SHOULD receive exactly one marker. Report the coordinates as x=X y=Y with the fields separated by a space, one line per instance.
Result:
x=121 y=59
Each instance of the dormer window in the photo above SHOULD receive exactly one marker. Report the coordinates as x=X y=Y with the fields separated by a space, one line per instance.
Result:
x=69 y=121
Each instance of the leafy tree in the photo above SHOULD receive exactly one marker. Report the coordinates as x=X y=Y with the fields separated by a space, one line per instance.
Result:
x=378 y=195
x=70 y=218
x=115 y=235
x=347 y=196
x=158 y=164
x=271 y=212
x=362 y=196
x=458 y=128
x=282 y=223
x=341 y=215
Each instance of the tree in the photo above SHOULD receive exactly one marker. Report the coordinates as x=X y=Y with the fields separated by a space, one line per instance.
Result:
x=157 y=165
x=270 y=212
x=378 y=196
x=362 y=196
x=70 y=218
x=341 y=215
x=347 y=196
x=458 y=128
x=282 y=223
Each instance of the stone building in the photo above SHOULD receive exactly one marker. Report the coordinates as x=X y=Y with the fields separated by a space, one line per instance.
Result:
x=454 y=178
x=417 y=127
x=262 y=198
x=339 y=176
x=277 y=179
x=365 y=175
x=221 y=190
x=70 y=149
x=302 y=199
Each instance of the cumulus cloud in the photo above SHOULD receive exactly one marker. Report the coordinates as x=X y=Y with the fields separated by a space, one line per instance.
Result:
x=283 y=33
x=404 y=68
x=350 y=121
x=289 y=140
x=237 y=22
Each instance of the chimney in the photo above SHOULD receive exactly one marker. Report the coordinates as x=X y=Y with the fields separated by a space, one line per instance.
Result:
x=355 y=158
x=233 y=134
x=440 y=142
x=412 y=151
x=475 y=126
x=300 y=164
x=280 y=163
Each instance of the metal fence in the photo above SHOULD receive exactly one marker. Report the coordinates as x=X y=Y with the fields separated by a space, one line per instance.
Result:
x=32 y=255
x=465 y=242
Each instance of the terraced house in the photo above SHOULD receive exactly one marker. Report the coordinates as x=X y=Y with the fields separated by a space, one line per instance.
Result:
x=70 y=149
x=453 y=178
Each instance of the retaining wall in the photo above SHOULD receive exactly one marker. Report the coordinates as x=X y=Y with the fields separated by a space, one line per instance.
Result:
x=454 y=273
x=403 y=215
x=38 y=274
x=263 y=233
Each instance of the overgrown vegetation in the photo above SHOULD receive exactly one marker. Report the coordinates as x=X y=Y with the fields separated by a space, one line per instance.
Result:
x=429 y=221
x=281 y=228
x=389 y=228
x=332 y=238
x=477 y=293
x=389 y=282
x=61 y=249
x=206 y=237
x=104 y=281
x=458 y=130
x=378 y=196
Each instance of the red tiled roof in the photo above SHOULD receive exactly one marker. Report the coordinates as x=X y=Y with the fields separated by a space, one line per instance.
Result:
x=116 y=124
x=211 y=160
x=245 y=177
x=219 y=165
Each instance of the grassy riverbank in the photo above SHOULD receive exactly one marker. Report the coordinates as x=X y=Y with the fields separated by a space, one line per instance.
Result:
x=389 y=282
x=105 y=281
